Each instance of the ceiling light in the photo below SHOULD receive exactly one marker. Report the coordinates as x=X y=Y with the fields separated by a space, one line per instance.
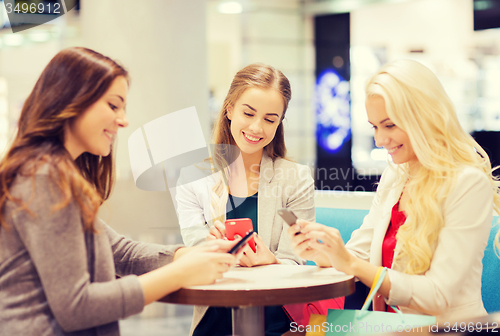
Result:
x=39 y=36
x=13 y=40
x=230 y=7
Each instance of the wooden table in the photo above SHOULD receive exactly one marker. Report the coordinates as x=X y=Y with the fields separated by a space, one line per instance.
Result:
x=246 y=290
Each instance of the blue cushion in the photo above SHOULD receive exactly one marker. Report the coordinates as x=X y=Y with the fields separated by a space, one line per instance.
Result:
x=490 y=287
x=345 y=220
x=348 y=220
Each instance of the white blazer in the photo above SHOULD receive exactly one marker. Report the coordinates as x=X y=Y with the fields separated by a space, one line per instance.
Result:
x=451 y=287
x=282 y=184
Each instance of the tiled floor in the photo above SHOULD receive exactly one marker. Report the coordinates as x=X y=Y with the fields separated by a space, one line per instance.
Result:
x=171 y=326
x=176 y=321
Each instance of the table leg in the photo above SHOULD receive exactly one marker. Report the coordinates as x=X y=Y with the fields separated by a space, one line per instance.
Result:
x=248 y=321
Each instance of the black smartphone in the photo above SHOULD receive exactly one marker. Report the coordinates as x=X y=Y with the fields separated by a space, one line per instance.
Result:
x=289 y=217
x=239 y=245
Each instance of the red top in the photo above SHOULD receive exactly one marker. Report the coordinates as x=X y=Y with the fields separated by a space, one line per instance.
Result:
x=397 y=219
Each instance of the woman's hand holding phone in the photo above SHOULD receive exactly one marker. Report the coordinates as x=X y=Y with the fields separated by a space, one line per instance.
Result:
x=239 y=227
x=241 y=243
x=198 y=265
x=261 y=256
x=254 y=253
x=217 y=231
x=290 y=218
x=328 y=242
x=216 y=245
x=305 y=247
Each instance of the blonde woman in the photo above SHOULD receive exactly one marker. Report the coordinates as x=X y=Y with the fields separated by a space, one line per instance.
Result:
x=253 y=179
x=431 y=216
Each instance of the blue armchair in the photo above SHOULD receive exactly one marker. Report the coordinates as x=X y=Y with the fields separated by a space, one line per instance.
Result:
x=345 y=211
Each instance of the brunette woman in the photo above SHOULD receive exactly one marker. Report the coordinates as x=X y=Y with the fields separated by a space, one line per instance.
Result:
x=58 y=261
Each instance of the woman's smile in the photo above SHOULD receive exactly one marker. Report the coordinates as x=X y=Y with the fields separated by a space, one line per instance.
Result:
x=251 y=139
x=255 y=117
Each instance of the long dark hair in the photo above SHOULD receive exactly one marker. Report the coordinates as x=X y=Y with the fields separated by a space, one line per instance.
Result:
x=72 y=81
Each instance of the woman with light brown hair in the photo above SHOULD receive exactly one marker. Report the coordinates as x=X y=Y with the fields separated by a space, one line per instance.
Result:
x=251 y=179
x=58 y=261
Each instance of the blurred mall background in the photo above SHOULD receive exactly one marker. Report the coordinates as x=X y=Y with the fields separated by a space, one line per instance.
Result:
x=183 y=53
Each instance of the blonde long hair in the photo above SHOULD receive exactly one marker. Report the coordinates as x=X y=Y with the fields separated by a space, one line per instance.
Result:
x=255 y=75
x=416 y=102
x=497 y=243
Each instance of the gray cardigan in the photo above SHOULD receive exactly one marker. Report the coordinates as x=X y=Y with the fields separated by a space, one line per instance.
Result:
x=45 y=286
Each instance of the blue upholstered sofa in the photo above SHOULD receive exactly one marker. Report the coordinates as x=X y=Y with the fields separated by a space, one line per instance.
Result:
x=346 y=210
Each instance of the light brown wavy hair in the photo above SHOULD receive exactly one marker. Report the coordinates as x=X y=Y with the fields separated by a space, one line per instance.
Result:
x=256 y=75
x=259 y=76
x=72 y=81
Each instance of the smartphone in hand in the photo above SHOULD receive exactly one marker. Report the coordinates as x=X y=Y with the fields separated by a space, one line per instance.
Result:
x=240 y=226
x=239 y=245
x=289 y=217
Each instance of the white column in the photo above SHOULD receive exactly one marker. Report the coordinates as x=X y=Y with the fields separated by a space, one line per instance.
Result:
x=162 y=43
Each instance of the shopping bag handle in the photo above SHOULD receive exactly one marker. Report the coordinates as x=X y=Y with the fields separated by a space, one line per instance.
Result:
x=377 y=282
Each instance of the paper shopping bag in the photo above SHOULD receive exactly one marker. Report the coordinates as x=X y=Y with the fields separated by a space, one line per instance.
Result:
x=315 y=326
x=301 y=312
x=359 y=322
